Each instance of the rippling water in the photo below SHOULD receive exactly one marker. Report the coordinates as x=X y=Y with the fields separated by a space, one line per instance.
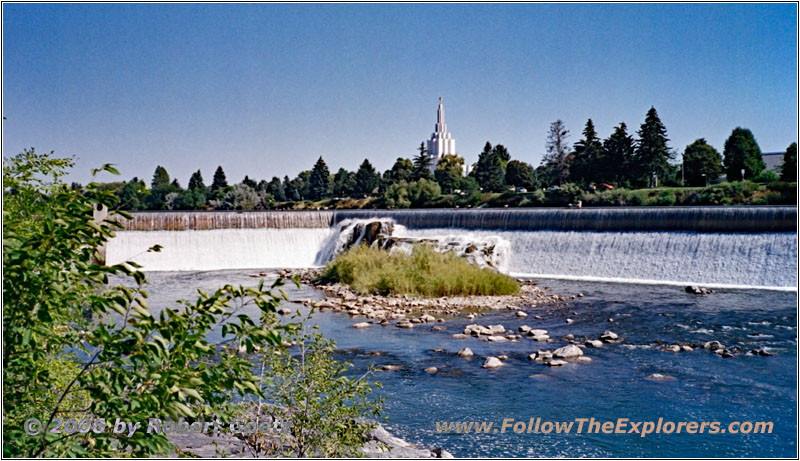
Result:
x=706 y=388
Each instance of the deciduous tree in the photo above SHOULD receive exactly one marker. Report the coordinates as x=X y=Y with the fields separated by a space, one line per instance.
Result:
x=702 y=163
x=742 y=153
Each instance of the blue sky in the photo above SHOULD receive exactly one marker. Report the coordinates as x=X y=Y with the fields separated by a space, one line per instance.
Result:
x=265 y=89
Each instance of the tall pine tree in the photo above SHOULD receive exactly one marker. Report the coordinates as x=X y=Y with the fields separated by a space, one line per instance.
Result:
x=588 y=159
x=422 y=164
x=489 y=171
x=367 y=179
x=618 y=151
x=556 y=161
x=652 y=154
x=319 y=181
x=219 y=181
x=160 y=178
x=196 y=181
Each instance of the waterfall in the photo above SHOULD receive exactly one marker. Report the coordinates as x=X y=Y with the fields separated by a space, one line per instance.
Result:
x=712 y=246
x=219 y=248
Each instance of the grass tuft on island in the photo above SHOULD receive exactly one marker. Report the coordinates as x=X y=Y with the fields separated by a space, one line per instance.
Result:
x=424 y=272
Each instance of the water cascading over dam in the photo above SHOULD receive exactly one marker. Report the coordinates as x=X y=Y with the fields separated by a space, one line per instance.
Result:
x=715 y=246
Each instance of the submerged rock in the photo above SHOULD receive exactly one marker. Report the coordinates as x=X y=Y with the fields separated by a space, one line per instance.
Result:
x=659 y=377
x=492 y=362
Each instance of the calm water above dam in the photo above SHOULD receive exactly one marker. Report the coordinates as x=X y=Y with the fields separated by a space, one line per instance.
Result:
x=706 y=388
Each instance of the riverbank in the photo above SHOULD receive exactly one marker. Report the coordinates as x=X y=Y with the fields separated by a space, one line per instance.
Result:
x=725 y=193
x=380 y=444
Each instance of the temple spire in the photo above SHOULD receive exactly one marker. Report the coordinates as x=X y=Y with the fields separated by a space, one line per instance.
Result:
x=441 y=142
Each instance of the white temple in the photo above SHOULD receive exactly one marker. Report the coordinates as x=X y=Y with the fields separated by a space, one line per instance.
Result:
x=441 y=143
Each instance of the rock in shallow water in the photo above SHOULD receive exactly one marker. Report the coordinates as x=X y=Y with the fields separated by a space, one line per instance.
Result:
x=492 y=362
x=659 y=377
x=465 y=352
x=568 y=351
x=361 y=325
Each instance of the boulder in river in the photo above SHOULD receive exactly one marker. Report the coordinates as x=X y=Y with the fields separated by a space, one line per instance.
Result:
x=361 y=325
x=609 y=336
x=568 y=351
x=465 y=352
x=492 y=362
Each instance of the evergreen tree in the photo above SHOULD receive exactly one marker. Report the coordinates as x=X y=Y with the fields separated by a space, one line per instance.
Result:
x=344 y=183
x=422 y=164
x=502 y=153
x=618 y=151
x=196 y=181
x=489 y=171
x=402 y=171
x=319 y=181
x=249 y=182
x=520 y=174
x=219 y=181
x=303 y=184
x=701 y=162
x=291 y=190
x=742 y=153
x=276 y=189
x=789 y=167
x=652 y=154
x=175 y=184
x=367 y=179
x=449 y=172
x=160 y=178
x=588 y=159
x=556 y=161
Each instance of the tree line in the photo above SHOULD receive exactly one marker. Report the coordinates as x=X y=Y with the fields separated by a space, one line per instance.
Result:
x=621 y=160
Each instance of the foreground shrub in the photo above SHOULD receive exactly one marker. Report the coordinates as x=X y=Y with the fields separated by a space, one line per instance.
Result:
x=424 y=272
x=318 y=408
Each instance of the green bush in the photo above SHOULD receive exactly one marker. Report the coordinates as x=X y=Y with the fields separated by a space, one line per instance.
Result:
x=396 y=196
x=766 y=177
x=321 y=410
x=664 y=198
x=424 y=272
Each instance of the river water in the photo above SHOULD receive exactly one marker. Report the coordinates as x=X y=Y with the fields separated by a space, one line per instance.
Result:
x=614 y=385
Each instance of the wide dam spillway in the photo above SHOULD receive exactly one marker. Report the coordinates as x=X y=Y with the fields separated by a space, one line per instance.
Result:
x=693 y=219
x=715 y=246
